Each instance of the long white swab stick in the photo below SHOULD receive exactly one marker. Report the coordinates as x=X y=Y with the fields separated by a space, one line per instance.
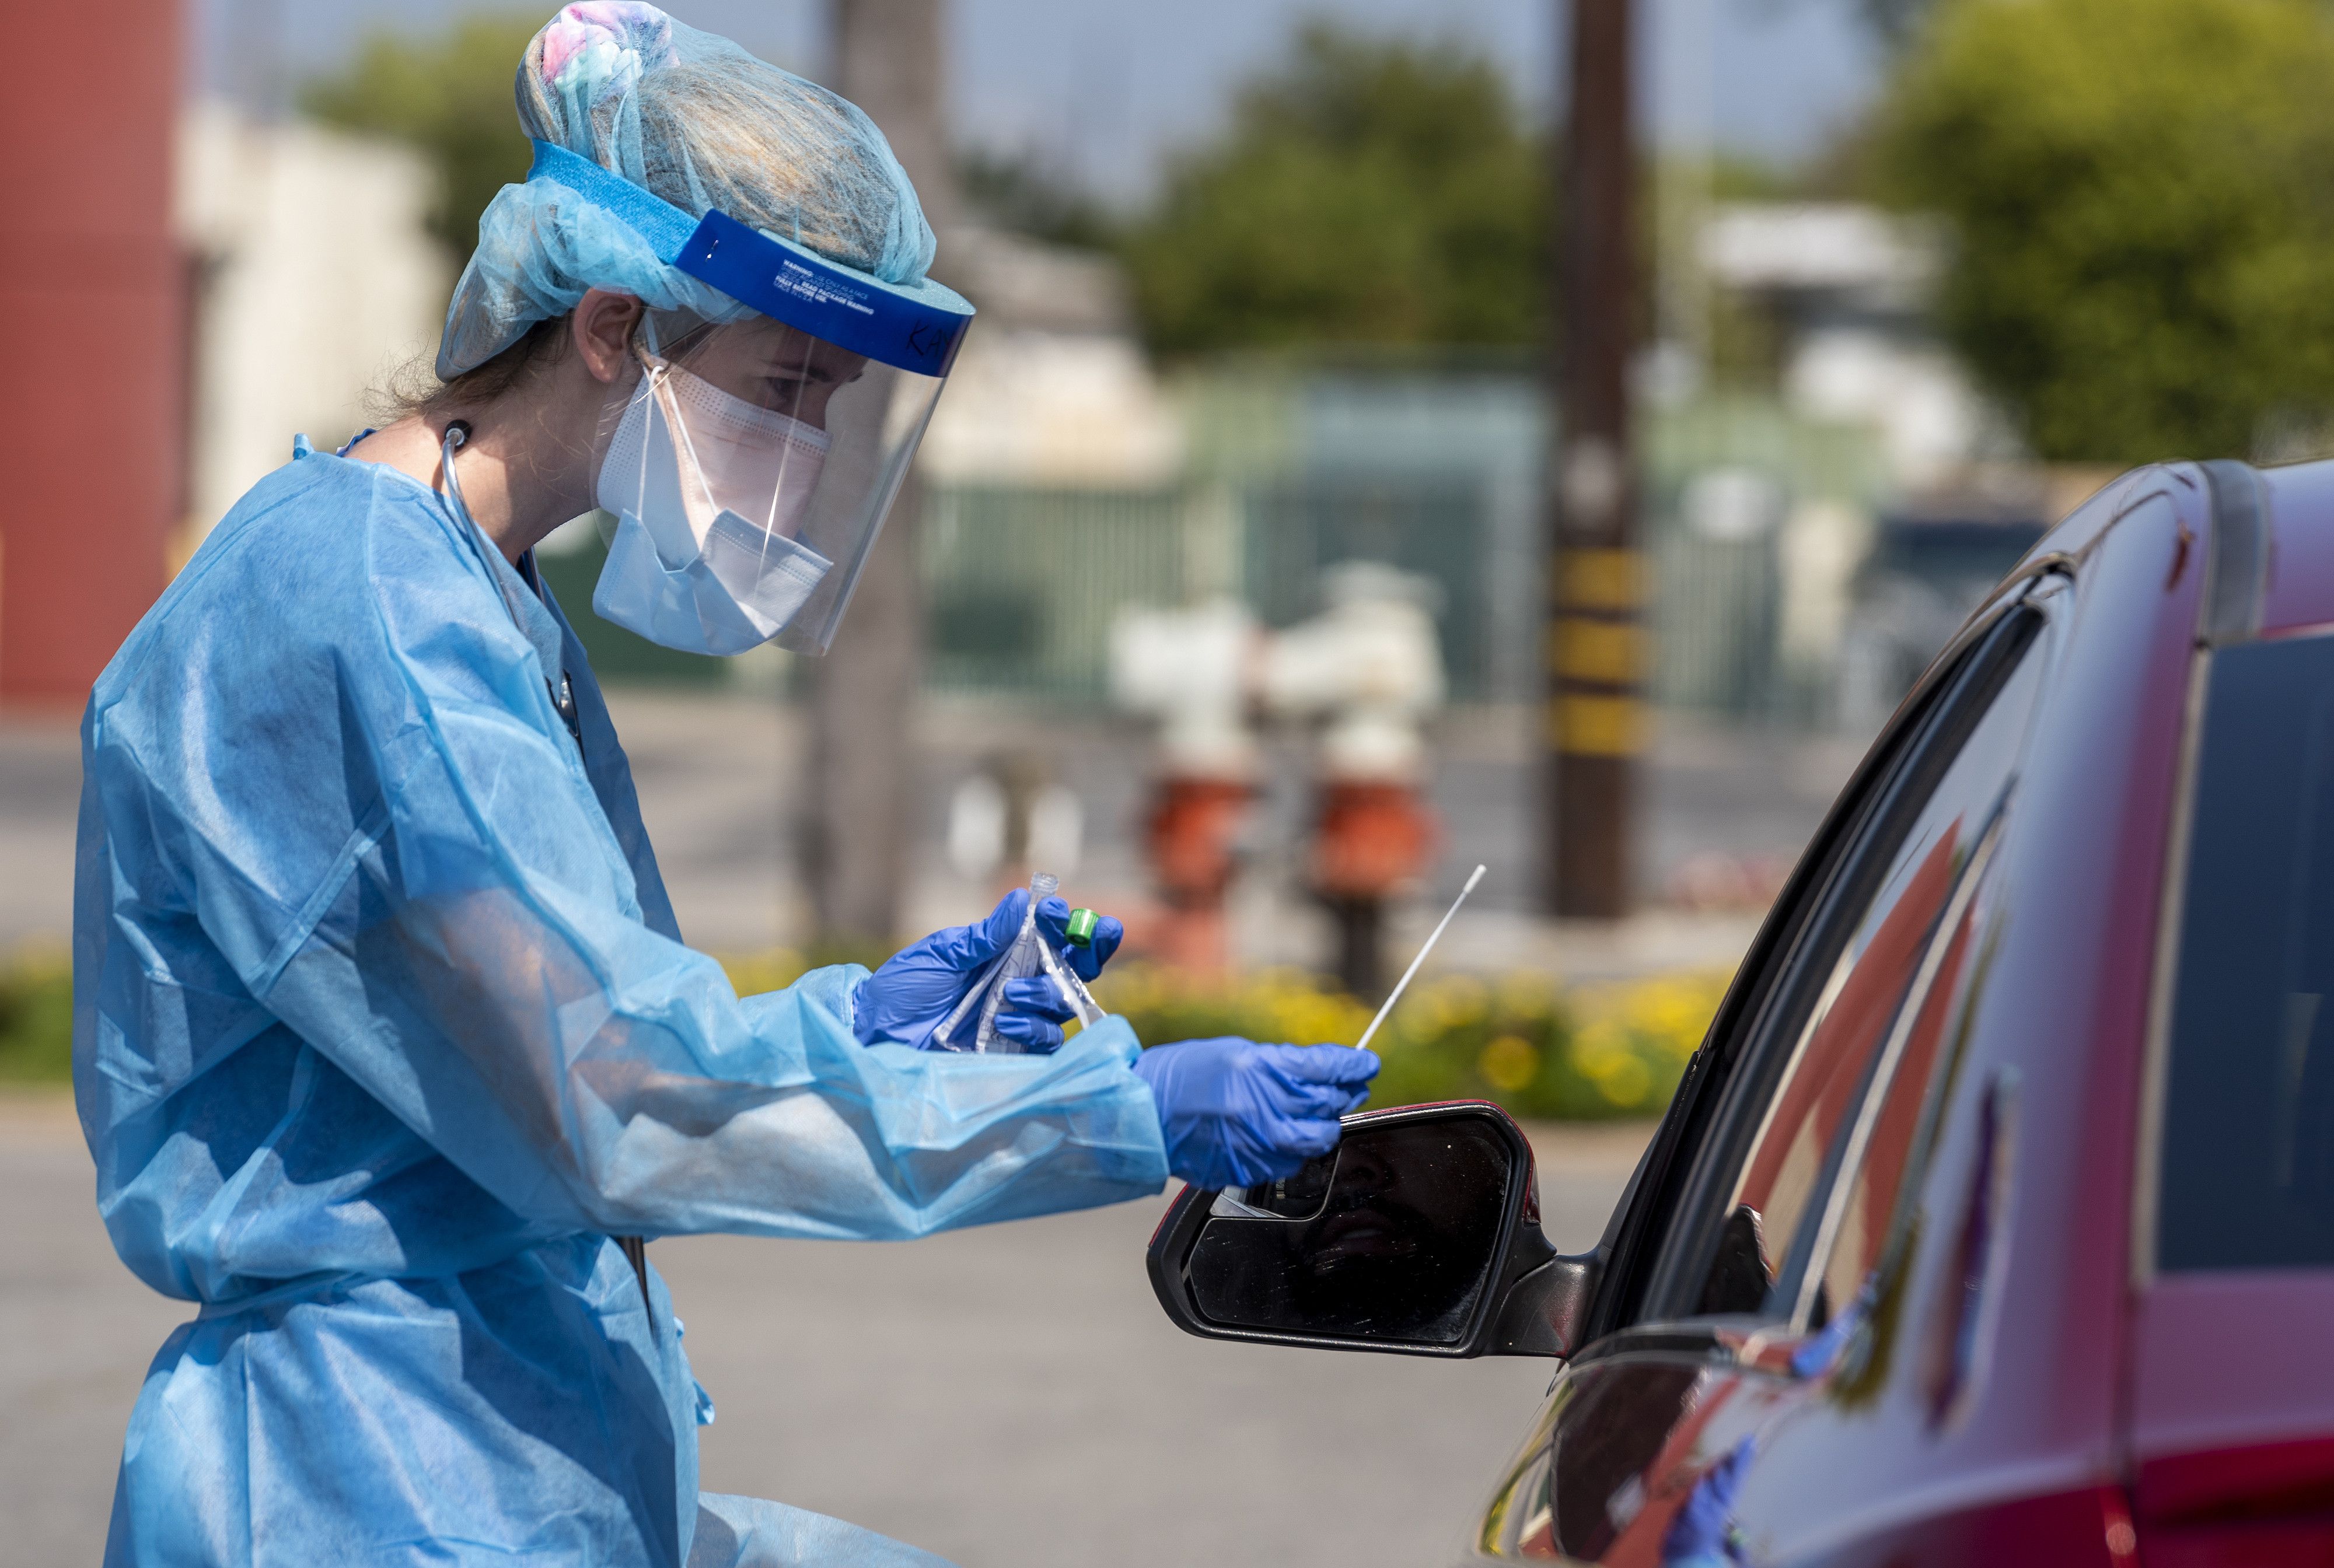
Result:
x=1404 y=984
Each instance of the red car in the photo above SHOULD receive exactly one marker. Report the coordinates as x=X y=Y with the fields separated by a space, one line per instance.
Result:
x=1993 y=1222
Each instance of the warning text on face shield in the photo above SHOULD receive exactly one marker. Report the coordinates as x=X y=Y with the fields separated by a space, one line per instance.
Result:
x=799 y=281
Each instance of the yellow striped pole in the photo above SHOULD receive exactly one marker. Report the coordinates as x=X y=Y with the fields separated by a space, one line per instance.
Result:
x=1595 y=626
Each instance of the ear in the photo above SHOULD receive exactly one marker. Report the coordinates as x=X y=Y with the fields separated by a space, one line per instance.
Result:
x=603 y=324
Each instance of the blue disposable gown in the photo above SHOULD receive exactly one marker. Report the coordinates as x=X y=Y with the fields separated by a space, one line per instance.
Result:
x=383 y=1028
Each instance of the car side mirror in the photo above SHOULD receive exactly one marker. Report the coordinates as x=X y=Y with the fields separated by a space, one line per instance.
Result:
x=1419 y=1234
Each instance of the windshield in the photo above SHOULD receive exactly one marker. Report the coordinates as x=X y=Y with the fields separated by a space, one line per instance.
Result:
x=2247 y=1172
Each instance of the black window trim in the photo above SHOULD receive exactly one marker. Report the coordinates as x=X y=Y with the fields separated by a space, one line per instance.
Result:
x=1773 y=985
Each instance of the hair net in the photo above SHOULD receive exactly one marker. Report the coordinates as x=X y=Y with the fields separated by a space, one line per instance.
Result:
x=694 y=118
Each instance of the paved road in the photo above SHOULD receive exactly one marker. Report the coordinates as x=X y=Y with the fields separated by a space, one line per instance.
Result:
x=1010 y=1396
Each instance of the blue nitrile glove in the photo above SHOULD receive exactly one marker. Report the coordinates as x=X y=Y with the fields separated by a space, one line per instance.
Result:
x=1234 y=1112
x=905 y=1000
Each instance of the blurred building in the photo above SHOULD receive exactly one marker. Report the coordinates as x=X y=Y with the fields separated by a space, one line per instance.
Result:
x=90 y=426
x=1052 y=388
x=1850 y=289
x=314 y=282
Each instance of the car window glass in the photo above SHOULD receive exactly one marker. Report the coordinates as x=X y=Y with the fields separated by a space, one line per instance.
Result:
x=2245 y=1179
x=1828 y=1069
x=1847 y=1242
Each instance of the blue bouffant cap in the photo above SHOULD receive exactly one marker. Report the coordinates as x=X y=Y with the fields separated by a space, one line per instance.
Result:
x=693 y=120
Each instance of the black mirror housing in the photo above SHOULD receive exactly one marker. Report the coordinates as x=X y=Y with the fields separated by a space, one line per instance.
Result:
x=1419 y=1235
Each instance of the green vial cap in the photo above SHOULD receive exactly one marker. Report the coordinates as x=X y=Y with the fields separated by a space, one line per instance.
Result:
x=1082 y=927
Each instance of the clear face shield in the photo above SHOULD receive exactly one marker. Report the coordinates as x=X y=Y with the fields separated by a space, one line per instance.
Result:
x=748 y=477
x=755 y=459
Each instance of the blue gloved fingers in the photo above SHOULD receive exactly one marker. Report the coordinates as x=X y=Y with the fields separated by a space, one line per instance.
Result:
x=1234 y=1112
x=1320 y=1101
x=916 y=987
x=1088 y=960
x=1297 y=1142
x=1329 y=1065
x=994 y=934
x=1035 y=1036
x=1037 y=996
x=1054 y=921
x=1319 y=1079
x=961 y=948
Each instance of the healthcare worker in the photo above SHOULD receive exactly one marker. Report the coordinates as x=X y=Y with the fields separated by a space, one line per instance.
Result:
x=386 y=1042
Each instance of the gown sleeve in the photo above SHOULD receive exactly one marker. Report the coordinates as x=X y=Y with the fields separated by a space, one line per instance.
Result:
x=478 y=960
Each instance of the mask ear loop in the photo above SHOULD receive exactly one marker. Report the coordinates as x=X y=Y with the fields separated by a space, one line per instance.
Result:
x=651 y=371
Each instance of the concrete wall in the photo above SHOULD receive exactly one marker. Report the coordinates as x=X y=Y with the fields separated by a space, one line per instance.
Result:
x=317 y=281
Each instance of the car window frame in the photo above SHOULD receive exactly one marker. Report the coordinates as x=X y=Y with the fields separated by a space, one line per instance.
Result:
x=1667 y=1215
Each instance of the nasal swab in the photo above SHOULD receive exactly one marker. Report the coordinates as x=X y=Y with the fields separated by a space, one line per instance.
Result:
x=1402 y=984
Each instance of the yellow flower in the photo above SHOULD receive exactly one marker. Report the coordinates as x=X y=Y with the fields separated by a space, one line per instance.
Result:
x=753 y=974
x=1623 y=1081
x=1509 y=1062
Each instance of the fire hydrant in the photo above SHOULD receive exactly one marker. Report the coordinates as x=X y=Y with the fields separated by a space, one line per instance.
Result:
x=1370 y=671
x=1192 y=671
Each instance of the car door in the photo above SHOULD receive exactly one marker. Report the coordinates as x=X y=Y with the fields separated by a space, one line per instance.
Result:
x=2231 y=1402
x=1760 y=1266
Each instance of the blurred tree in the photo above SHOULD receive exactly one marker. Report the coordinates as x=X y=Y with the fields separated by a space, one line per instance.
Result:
x=1024 y=194
x=1367 y=191
x=1896 y=21
x=1741 y=177
x=449 y=96
x=2143 y=192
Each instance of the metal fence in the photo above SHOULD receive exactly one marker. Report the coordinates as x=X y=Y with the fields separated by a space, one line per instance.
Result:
x=1021 y=584
x=1441 y=478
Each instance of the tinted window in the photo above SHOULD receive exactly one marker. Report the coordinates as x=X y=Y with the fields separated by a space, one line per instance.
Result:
x=2247 y=1172
x=1885 y=1151
x=1843 y=1036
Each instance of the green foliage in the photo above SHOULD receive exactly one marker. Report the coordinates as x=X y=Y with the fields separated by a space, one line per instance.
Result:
x=2143 y=196
x=36 y=1019
x=1366 y=192
x=1740 y=177
x=1596 y=1053
x=1896 y=22
x=1022 y=194
x=450 y=97
x=1585 y=1056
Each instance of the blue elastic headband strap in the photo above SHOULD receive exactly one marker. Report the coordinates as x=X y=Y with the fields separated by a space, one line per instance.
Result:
x=914 y=326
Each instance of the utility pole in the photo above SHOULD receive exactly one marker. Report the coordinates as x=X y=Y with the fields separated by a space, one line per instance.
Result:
x=1596 y=637
x=861 y=763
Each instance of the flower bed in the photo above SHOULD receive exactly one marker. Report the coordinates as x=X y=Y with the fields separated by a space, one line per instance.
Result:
x=1578 y=1053
x=1575 y=1053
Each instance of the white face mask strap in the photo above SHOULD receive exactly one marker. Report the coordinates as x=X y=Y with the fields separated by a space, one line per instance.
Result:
x=656 y=383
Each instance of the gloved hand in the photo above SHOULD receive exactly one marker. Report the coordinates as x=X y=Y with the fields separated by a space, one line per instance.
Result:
x=1235 y=1112
x=905 y=1000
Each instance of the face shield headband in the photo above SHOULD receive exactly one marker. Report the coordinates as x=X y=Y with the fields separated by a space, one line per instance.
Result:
x=915 y=327
x=693 y=567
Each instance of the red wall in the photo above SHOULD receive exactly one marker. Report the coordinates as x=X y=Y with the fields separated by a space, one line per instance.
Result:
x=92 y=430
